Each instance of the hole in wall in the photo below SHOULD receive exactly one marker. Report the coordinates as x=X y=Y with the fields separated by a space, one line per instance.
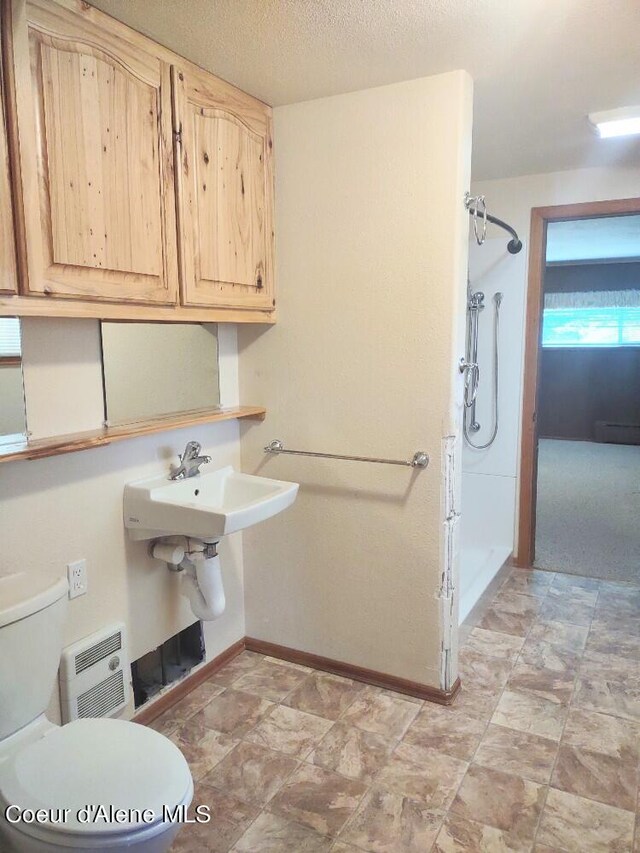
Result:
x=170 y=662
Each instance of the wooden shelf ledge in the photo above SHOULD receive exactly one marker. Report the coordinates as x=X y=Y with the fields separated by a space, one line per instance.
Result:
x=39 y=306
x=42 y=447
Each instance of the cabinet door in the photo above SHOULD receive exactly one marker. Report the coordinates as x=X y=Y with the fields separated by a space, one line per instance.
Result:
x=8 y=272
x=94 y=113
x=225 y=193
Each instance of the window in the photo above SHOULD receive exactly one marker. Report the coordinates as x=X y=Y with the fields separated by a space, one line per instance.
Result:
x=591 y=327
x=9 y=337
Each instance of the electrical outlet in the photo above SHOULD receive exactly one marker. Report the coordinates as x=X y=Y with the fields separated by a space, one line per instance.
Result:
x=77 y=574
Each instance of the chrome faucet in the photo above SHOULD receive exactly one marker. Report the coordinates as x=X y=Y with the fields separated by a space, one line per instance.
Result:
x=190 y=462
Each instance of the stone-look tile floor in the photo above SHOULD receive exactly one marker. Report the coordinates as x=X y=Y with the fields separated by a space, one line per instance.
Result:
x=540 y=751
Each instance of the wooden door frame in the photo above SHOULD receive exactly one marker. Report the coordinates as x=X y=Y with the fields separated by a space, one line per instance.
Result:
x=540 y=217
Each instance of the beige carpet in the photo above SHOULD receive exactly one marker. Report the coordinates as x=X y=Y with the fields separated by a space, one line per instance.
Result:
x=588 y=520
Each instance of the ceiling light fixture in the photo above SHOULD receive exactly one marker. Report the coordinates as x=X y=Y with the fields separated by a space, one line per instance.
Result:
x=622 y=122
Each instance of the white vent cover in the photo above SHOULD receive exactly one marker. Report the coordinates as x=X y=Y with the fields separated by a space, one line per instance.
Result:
x=94 y=675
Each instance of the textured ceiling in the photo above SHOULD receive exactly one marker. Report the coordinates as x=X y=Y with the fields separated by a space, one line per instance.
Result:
x=539 y=66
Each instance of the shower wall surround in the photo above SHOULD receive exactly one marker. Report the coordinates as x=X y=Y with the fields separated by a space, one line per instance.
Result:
x=488 y=478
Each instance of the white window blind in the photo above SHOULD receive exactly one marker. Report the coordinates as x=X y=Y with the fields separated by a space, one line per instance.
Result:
x=9 y=337
x=591 y=327
x=597 y=318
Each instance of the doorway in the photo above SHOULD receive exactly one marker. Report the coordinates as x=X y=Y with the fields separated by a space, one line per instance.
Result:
x=579 y=494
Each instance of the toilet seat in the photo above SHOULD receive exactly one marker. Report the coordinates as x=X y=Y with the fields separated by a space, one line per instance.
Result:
x=96 y=762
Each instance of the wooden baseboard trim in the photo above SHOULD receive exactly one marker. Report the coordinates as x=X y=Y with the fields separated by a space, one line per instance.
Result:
x=151 y=712
x=357 y=673
x=148 y=714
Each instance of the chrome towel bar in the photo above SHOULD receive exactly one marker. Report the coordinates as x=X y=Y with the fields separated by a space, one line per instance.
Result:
x=420 y=459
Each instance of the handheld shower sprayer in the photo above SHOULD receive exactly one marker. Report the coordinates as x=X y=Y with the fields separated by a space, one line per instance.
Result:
x=469 y=365
x=470 y=423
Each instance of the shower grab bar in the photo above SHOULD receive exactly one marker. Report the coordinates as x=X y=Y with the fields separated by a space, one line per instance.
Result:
x=420 y=459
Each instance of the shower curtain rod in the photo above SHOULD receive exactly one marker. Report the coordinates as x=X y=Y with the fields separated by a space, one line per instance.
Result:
x=513 y=246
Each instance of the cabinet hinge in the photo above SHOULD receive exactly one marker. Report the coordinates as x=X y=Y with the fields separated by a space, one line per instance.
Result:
x=177 y=135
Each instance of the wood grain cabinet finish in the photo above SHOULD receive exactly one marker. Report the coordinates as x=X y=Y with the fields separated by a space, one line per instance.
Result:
x=8 y=271
x=144 y=185
x=225 y=193
x=94 y=116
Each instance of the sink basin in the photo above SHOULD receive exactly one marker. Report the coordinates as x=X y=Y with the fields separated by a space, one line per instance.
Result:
x=207 y=506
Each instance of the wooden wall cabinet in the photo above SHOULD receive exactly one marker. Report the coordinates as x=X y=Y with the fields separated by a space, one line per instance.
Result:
x=224 y=193
x=94 y=113
x=144 y=180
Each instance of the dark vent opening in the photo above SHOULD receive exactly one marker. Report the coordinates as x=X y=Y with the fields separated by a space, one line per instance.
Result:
x=170 y=662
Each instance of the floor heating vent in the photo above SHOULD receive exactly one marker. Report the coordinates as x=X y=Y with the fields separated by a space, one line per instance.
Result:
x=611 y=433
x=93 y=675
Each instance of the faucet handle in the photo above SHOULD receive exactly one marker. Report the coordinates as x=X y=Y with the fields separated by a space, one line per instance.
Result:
x=192 y=449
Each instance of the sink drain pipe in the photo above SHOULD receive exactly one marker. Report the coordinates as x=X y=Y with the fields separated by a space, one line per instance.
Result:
x=202 y=578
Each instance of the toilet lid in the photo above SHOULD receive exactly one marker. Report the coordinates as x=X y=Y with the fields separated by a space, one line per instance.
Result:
x=97 y=763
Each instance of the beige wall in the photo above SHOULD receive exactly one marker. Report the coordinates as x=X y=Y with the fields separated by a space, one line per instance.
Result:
x=371 y=264
x=69 y=507
x=11 y=400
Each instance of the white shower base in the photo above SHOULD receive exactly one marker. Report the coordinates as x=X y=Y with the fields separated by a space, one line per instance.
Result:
x=478 y=567
x=488 y=518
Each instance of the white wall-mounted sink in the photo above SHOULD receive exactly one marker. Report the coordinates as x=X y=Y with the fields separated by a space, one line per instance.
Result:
x=207 y=506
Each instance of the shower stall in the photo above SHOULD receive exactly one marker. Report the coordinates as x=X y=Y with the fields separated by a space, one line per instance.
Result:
x=490 y=439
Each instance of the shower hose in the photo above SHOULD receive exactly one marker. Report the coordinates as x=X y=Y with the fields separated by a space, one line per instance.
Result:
x=497 y=299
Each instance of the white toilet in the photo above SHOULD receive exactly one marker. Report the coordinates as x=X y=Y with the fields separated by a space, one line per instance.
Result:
x=87 y=763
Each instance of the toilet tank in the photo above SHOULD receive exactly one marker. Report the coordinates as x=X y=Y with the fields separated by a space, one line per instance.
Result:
x=32 y=613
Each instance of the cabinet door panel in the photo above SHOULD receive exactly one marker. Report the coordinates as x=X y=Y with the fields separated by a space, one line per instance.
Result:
x=225 y=194
x=8 y=271
x=96 y=146
x=230 y=199
x=102 y=159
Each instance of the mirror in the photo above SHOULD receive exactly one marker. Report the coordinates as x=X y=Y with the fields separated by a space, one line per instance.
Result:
x=153 y=370
x=13 y=424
